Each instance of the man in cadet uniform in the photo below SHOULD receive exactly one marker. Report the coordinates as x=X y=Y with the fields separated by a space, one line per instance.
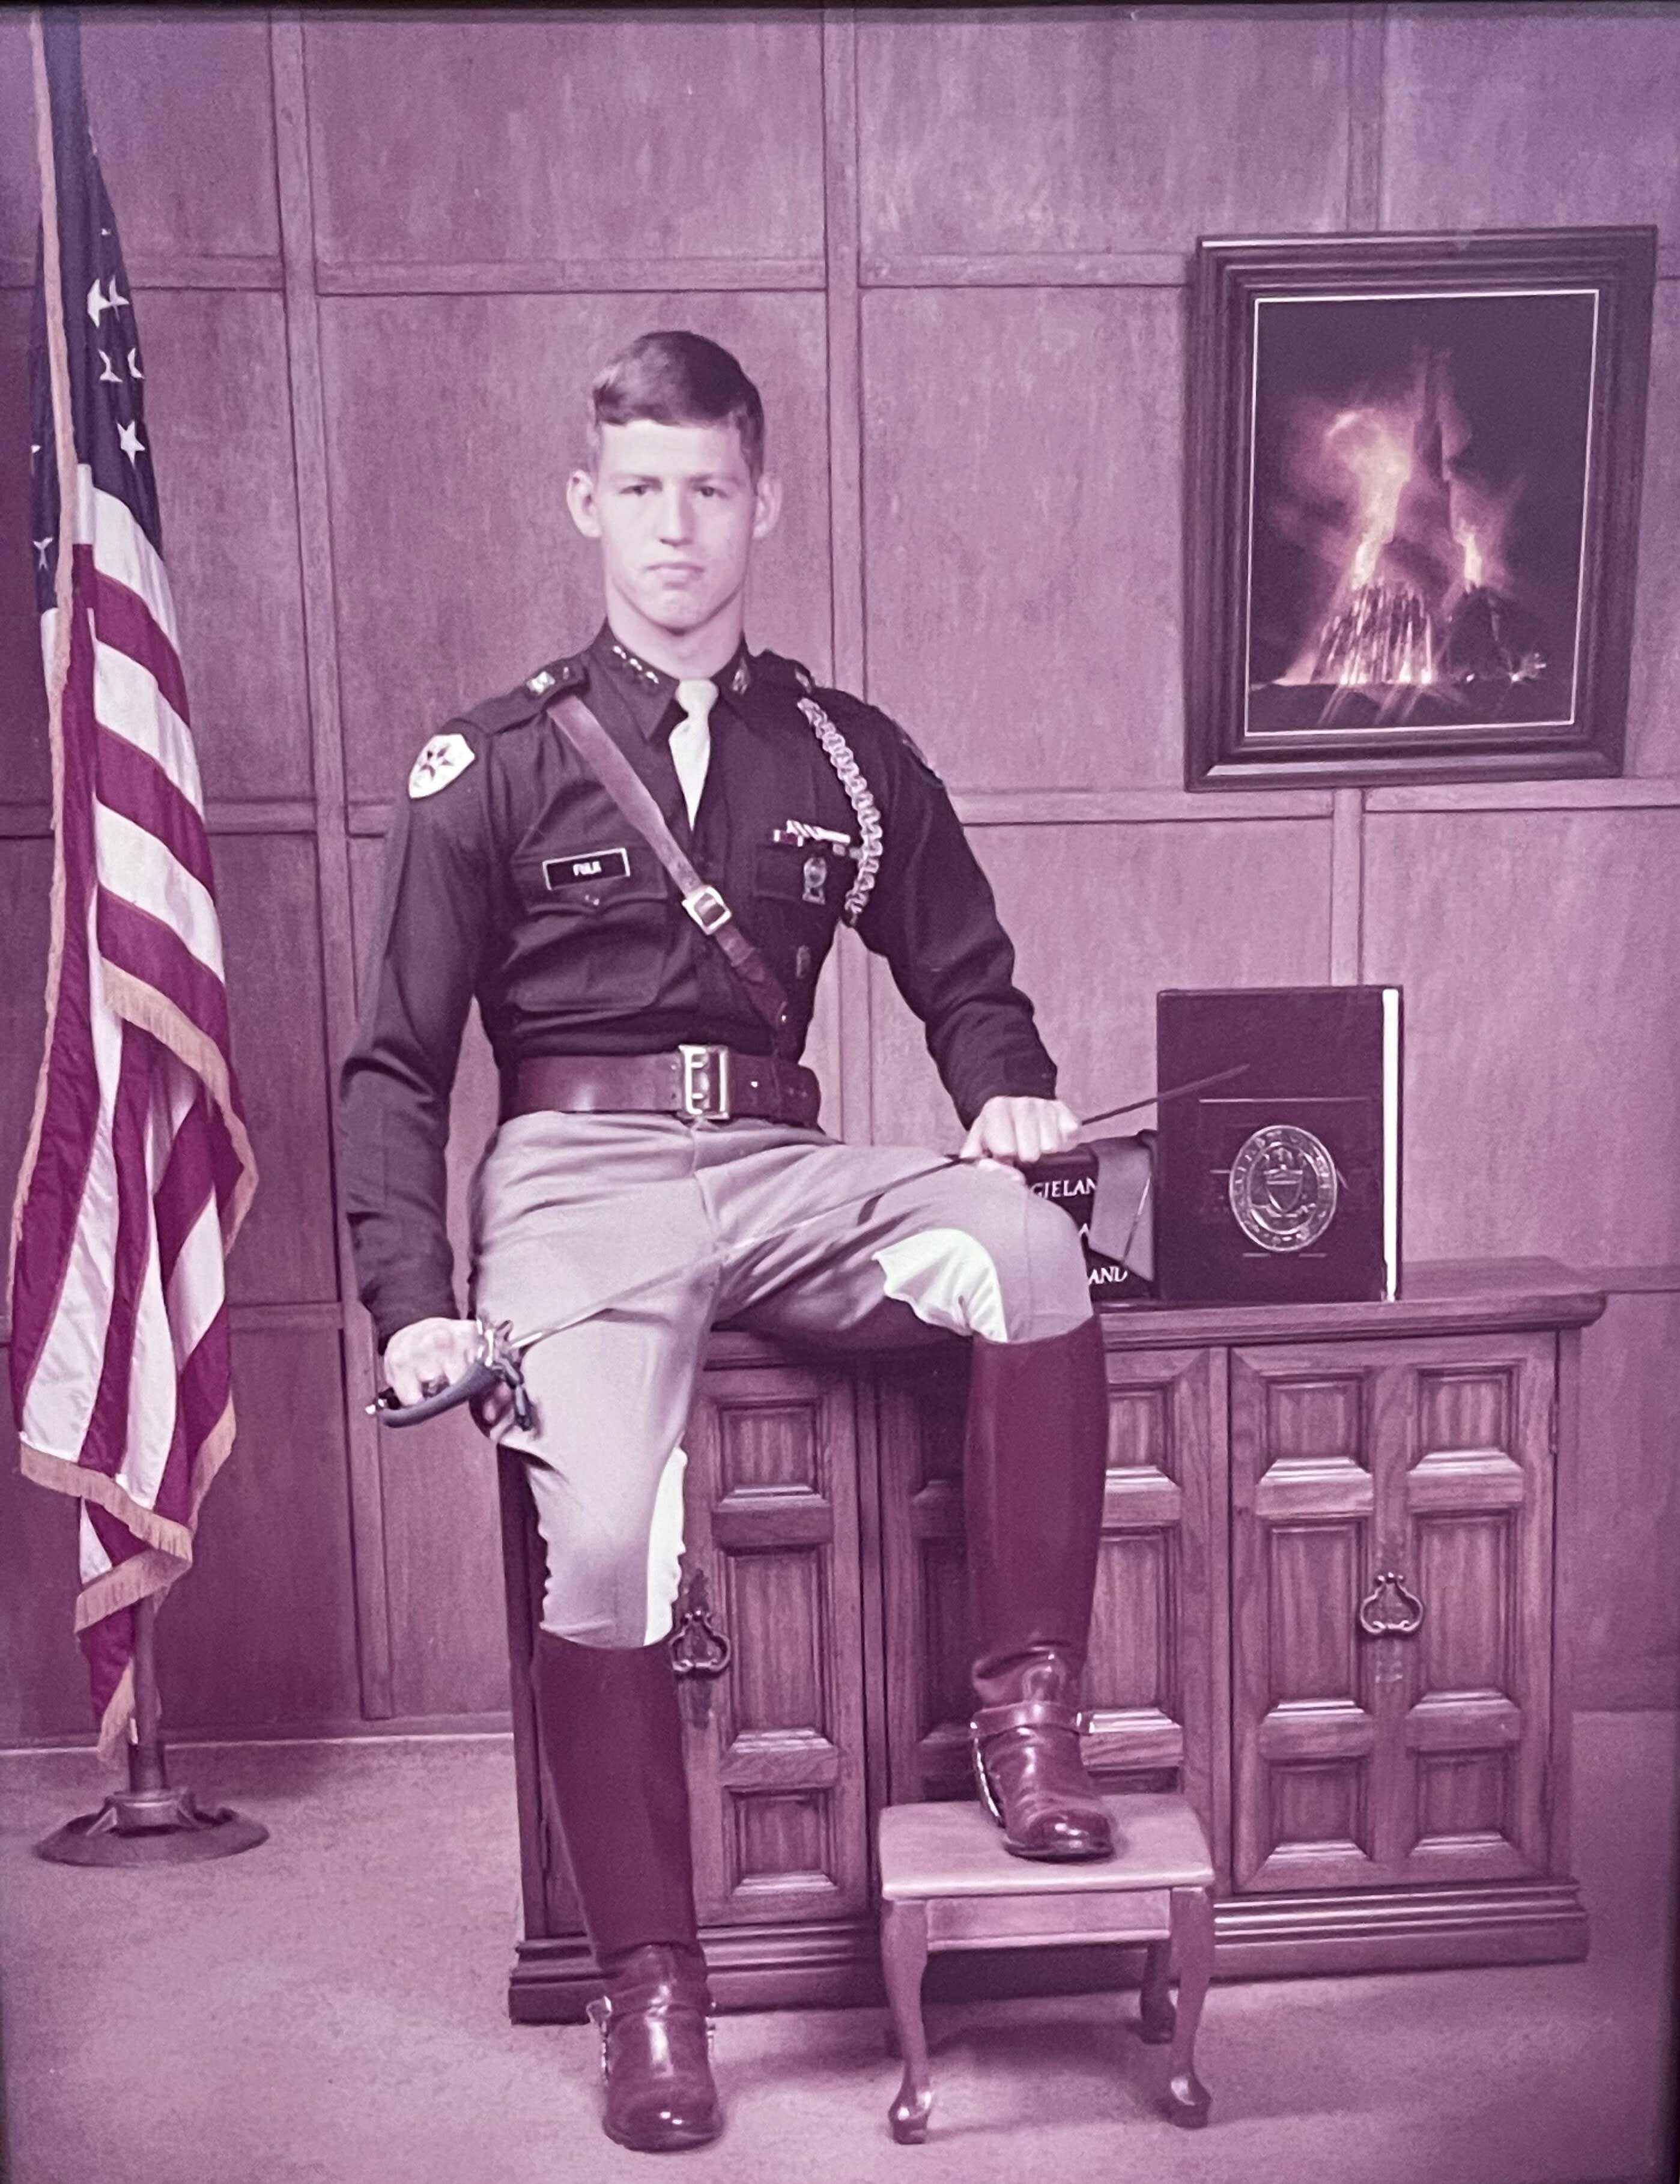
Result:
x=655 y=1123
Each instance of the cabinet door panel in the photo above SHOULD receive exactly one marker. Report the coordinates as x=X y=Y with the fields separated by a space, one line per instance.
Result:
x=1374 y=1485
x=776 y=1748
x=1476 y=1528
x=1304 y=1500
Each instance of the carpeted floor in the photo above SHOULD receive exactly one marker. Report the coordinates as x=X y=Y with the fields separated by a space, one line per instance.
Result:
x=330 y=2010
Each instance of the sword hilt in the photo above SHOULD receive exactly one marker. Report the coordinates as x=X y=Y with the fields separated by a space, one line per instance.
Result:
x=496 y=1365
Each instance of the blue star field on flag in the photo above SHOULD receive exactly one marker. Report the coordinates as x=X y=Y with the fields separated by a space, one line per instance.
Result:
x=107 y=376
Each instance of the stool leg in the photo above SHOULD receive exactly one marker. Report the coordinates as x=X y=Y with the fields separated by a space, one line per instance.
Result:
x=903 y=1957
x=1155 y=2014
x=1187 y=2099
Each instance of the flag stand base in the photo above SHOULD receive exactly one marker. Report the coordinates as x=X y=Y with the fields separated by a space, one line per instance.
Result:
x=151 y=1827
x=148 y=1823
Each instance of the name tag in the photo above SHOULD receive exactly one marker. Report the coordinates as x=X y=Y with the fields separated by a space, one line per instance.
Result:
x=593 y=865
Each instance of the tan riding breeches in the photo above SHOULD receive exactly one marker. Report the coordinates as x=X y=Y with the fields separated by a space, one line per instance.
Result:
x=783 y=1230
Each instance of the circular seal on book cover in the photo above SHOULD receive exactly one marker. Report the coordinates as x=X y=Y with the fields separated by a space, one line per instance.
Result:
x=1284 y=1187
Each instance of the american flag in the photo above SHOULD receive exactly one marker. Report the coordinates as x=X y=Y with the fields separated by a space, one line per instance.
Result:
x=138 y=1170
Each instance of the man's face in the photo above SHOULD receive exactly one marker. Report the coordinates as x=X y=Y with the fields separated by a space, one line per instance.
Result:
x=677 y=513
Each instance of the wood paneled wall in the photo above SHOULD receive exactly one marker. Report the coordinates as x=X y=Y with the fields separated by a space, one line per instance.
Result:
x=378 y=260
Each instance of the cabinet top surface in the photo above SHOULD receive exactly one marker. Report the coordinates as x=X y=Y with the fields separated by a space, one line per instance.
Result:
x=1436 y=1296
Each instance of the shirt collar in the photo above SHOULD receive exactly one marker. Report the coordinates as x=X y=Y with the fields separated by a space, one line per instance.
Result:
x=647 y=691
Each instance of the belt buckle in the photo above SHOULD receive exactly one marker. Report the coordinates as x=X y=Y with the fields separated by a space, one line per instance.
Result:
x=705 y=1083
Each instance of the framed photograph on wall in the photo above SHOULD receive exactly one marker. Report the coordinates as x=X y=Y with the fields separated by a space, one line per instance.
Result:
x=1414 y=505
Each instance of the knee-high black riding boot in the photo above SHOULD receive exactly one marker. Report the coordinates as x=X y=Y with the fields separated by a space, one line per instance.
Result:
x=1033 y=1466
x=613 y=1739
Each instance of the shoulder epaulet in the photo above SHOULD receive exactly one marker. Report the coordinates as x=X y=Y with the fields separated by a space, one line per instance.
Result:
x=914 y=748
x=775 y=667
x=793 y=674
x=526 y=699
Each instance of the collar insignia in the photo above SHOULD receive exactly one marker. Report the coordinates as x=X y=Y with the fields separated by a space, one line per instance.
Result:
x=741 y=680
x=638 y=667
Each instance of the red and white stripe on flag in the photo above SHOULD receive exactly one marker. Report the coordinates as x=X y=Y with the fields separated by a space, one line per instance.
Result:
x=138 y=1170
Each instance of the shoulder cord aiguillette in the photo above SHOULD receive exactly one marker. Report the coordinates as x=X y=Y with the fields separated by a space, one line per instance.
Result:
x=840 y=756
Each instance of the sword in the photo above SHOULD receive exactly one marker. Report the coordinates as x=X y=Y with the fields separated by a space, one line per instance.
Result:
x=498 y=1361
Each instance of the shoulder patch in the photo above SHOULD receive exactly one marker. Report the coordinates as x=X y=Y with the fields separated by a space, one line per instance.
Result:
x=444 y=759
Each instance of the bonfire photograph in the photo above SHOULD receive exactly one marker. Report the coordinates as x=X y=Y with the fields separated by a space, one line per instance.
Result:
x=1414 y=503
x=1421 y=473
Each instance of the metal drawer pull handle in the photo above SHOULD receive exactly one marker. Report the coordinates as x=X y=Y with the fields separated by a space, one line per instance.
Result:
x=1372 y=1620
x=697 y=1646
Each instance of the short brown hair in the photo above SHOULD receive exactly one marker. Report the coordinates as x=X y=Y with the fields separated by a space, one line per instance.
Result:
x=678 y=378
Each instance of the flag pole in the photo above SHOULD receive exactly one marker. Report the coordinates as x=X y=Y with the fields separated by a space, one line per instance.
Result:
x=146 y=1768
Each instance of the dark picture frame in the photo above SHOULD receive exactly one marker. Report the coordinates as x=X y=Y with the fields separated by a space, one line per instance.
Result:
x=1414 y=505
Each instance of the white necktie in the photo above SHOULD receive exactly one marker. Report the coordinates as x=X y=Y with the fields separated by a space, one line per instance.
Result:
x=691 y=740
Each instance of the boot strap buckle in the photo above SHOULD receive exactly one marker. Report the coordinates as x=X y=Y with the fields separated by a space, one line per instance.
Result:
x=1034 y=1713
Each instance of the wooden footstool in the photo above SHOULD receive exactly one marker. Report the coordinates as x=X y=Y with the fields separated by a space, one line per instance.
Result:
x=947 y=1882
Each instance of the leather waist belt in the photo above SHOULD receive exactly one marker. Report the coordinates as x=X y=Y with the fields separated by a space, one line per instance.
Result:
x=707 y=1083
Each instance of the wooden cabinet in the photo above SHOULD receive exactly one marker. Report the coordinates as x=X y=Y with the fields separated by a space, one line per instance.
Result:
x=1324 y=1608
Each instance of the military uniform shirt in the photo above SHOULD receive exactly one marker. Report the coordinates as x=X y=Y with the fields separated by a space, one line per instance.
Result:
x=512 y=879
